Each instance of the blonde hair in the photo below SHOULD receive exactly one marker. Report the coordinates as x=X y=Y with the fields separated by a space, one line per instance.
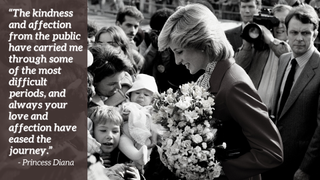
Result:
x=104 y=114
x=195 y=26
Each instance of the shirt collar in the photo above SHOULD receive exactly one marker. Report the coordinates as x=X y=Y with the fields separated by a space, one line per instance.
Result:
x=302 y=60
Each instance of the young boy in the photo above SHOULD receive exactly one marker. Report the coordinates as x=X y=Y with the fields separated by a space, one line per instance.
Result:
x=107 y=123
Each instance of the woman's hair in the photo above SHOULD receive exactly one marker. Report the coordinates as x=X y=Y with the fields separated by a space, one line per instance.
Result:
x=304 y=13
x=107 y=61
x=139 y=60
x=195 y=26
x=119 y=39
x=105 y=114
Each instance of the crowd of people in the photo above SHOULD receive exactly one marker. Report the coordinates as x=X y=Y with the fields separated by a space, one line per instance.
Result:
x=266 y=89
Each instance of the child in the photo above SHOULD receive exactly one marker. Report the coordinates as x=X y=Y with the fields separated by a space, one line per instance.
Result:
x=106 y=130
x=139 y=132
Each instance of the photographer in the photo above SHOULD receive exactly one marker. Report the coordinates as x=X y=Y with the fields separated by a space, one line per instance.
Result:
x=260 y=58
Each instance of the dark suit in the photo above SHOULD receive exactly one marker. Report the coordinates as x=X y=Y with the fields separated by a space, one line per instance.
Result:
x=247 y=127
x=299 y=121
x=233 y=35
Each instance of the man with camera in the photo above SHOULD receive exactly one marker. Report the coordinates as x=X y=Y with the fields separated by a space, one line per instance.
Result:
x=263 y=43
x=247 y=9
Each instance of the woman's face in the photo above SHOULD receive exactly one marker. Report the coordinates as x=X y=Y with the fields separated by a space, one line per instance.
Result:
x=109 y=85
x=280 y=31
x=193 y=59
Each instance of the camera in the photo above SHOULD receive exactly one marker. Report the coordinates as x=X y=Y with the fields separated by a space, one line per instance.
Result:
x=266 y=19
x=252 y=31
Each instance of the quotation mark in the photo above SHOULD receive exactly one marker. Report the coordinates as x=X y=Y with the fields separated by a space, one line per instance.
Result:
x=10 y=10
x=50 y=147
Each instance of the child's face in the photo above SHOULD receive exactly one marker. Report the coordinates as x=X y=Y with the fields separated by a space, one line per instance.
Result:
x=143 y=97
x=108 y=135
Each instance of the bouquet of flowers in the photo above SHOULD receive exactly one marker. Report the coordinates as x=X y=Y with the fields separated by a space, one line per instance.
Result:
x=188 y=147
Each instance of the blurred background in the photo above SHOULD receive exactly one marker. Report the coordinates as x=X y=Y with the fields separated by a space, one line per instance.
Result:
x=103 y=12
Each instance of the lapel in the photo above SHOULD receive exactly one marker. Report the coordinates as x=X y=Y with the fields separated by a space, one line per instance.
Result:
x=305 y=77
x=218 y=74
x=237 y=30
x=237 y=33
x=283 y=63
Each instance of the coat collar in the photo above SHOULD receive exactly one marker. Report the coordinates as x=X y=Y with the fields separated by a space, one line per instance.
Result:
x=218 y=74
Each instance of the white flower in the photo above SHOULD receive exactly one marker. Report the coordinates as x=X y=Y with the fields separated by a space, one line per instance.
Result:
x=202 y=157
x=197 y=93
x=183 y=104
x=185 y=89
x=191 y=116
x=186 y=144
x=197 y=149
x=169 y=142
x=204 y=145
x=182 y=124
x=186 y=114
x=206 y=123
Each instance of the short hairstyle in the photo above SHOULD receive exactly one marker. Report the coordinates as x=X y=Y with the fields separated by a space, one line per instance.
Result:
x=107 y=61
x=131 y=11
x=105 y=114
x=195 y=26
x=305 y=14
x=159 y=18
x=281 y=8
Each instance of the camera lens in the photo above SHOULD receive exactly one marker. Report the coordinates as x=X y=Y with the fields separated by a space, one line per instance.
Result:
x=254 y=32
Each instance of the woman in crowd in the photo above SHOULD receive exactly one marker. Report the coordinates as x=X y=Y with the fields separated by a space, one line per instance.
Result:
x=116 y=37
x=109 y=70
x=254 y=145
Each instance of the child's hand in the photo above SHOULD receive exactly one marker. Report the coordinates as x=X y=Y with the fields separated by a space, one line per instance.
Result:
x=126 y=111
x=125 y=114
x=131 y=173
x=119 y=169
